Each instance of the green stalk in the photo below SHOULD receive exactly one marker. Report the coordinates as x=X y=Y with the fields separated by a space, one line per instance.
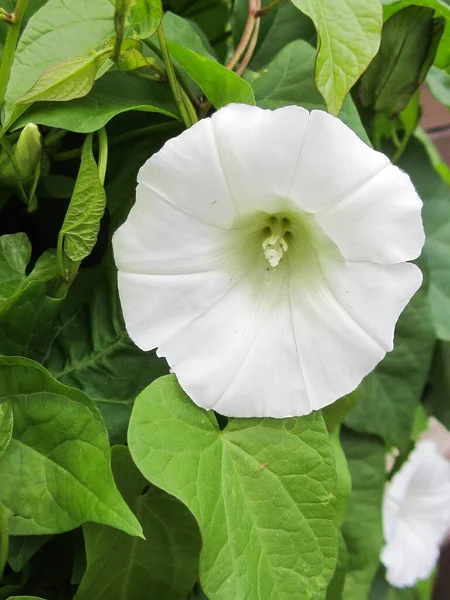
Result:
x=102 y=154
x=187 y=114
x=4 y=540
x=10 y=47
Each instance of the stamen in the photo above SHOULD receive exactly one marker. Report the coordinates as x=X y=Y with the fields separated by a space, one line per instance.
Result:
x=274 y=247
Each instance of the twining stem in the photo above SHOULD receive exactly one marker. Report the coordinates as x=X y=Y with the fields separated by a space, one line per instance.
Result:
x=254 y=6
x=10 y=47
x=264 y=11
x=185 y=107
x=4 y=539
x=102 y=154
x=250 y=49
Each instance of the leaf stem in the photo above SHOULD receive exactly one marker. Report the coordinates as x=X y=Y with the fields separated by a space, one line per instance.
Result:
x=4 y=540
x=182 y=101
x=250 y=49
x=10 y=46
x=102 y=154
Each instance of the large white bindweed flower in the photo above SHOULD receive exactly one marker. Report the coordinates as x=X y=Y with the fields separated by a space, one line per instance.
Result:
x=265 y=258
x=416 y=516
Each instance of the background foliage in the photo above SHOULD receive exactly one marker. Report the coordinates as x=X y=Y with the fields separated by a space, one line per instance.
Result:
x=113 y=485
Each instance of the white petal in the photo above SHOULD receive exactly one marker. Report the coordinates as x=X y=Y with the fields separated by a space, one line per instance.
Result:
x=410 y=557
x=380 y=222
x=158 y=238
x=259 y=150
x=416 y=515
x=240 y=356
x=374 y=295
x=157 y=306
x=188 y=172
x=334 y=163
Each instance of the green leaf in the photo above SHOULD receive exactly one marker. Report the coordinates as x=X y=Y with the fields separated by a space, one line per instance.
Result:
x=439 y=384
x=362 y=528
x=87 y=205
x=436 y=216
x=111 y=95
x=15 y=253
x=408 y=47
x=59 y=31
x=87 y=347
x=289 y=79
x=439 y=85
x=289 y=24
x=145 y=17
x=180 y=31
x=6 y=425
x=9 y=6
x=163 y=566
x=262 y=491
x=390 y=7
x=349 y=36
x=220 y=85
x=388 y=397
x=24 y=547
x=55 y=472
x=69 y=79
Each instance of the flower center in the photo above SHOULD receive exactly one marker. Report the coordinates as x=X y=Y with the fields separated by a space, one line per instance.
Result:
x=275 y=245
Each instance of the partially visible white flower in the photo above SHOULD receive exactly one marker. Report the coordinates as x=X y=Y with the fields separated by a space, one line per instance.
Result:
x=416 y=516
x=265 y=258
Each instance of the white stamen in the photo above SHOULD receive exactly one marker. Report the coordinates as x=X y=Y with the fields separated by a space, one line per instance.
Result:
x=274 y=247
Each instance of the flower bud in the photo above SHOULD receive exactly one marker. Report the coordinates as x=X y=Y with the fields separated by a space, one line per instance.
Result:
x=28 y=151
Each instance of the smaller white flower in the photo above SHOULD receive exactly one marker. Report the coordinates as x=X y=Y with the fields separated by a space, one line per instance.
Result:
x=416 y=516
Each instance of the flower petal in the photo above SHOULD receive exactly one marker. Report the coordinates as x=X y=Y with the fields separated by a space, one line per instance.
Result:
x=380 y=222
x=240 y=357
x=333 y=164
x=157 y=306
x=188 y=172
x=158 y=238
x=259 y=150
x=416 y=515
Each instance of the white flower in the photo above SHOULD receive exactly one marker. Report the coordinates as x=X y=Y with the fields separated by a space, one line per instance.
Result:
x=265 y=258
x=416 y=516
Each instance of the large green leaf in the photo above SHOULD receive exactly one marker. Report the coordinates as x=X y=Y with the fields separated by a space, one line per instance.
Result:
x=439 y=85
x=288 y=25
x=60 y=30
x=262 y=491
x=392 y=6
x=164 y=566
x=15 y=253
x=87 y=205
x=349 y=34
x=436 y=216
x=220 y=85
x=114 y=93
x=6 y=425
x=408 y=47
x=289 y=79
x=438 y=393
x=362 y=528
x=388 y=397
x=88 y=348
x=183 y=32
x=9 y=5
x=55 y=471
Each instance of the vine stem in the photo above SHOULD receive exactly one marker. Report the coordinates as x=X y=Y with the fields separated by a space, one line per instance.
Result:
x=102 y=154
x=264 y=11
x=4 y=540
x=254 y=7
x=250 y=49
x=10 y=46
x=183 y=102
